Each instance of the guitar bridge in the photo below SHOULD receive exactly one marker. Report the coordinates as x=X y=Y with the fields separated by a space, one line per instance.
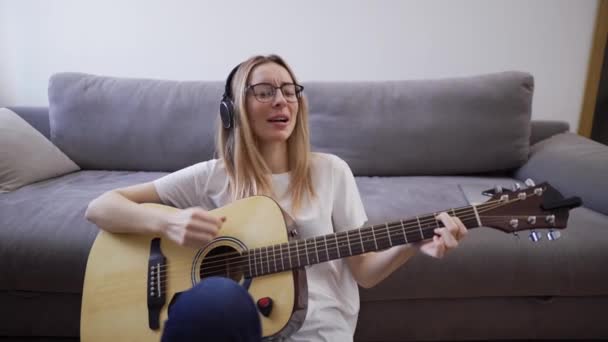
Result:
x=156 y=284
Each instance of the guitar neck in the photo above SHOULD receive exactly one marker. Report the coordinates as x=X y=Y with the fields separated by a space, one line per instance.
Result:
x=304 y=252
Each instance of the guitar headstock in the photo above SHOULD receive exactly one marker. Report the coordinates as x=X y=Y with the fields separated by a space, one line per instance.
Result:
x=533 y=207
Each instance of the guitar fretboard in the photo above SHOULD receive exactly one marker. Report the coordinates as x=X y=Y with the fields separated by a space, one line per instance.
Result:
x=299 y=253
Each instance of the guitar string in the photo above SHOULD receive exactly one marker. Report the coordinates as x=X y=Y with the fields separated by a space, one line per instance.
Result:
x=241 y=269
x=241 y=273
x=425 y=220
x=378 y=229
x=242 y=266
x=395 y=229
x=264 y=259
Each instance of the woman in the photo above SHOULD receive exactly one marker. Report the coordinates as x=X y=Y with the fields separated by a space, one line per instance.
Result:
x=263 y=148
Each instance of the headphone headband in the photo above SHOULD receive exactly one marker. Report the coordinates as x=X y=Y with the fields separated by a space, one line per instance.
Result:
x=228 y=86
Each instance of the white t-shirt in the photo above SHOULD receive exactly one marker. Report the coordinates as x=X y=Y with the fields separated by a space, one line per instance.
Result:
x=333 y=295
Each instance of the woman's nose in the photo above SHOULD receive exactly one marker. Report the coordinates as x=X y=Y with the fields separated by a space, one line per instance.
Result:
x=279 y=99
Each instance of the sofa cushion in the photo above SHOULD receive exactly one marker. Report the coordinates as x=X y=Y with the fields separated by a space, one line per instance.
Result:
x=110 y=123
x=45 y=236
x=46 y=240
x=27 y=156
x=488 y=262
x=424 y=127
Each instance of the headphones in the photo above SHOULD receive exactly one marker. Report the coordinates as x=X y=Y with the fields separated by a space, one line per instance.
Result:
x=227 y=103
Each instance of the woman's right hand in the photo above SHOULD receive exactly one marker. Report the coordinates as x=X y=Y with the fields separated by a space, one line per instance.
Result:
x=192 y=227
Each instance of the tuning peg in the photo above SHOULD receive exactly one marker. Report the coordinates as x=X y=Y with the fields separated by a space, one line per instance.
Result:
x=516 y=187
x=535 y=236
x=553 y=235
x=530 y=183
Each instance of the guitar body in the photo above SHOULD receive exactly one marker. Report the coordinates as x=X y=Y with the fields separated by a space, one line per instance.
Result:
x=117 y=280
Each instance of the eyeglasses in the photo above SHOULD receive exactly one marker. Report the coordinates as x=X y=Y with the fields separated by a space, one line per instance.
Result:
x=265 y=92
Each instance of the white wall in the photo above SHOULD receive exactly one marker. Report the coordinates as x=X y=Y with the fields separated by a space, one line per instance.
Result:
x=321 y=39
x=7 y=56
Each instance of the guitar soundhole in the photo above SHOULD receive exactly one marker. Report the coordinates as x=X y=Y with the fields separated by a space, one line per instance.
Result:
x=222 y=261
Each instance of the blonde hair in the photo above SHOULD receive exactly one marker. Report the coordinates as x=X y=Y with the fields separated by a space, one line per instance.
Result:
x=248 y=172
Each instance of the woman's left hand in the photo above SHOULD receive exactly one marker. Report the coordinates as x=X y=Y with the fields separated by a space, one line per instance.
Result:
x=447 y=237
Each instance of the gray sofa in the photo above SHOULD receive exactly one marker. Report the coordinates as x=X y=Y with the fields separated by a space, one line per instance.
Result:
x=415 y=147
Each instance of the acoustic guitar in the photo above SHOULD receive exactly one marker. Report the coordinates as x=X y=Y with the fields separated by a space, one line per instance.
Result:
x=130 y=279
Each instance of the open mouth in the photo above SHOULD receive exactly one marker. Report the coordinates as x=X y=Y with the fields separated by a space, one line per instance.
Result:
x=279 y=118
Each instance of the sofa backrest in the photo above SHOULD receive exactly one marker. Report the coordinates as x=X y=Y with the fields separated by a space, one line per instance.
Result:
x=111 y=123
x=447 y=126
x=425 y=127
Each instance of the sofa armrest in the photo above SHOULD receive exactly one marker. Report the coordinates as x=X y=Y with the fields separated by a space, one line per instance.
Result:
x=574 y=165
x=543 y=129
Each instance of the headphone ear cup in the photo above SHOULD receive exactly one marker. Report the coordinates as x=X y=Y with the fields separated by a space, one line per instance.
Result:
x=227 y=113
x=227 y=103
